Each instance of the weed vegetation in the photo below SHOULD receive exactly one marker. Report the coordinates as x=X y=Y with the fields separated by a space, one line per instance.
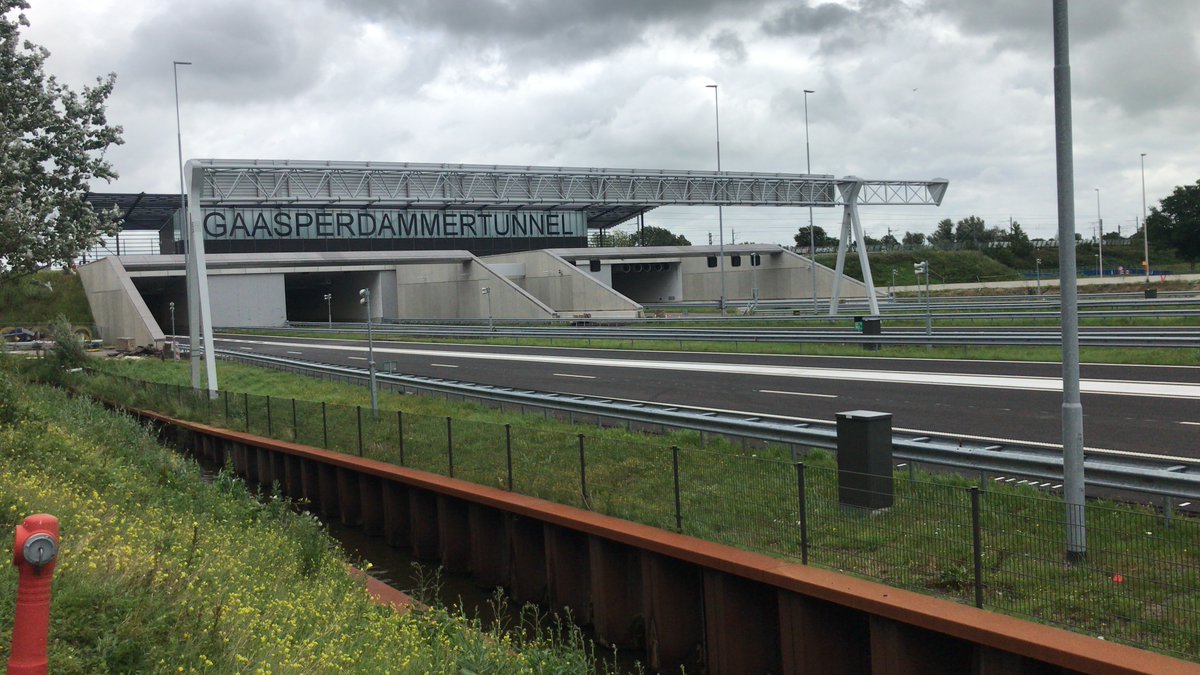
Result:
x=161 y=571
x=1137 y=586
x=36 y=300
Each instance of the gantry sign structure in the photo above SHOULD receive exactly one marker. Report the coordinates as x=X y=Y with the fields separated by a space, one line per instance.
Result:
x=607 y=197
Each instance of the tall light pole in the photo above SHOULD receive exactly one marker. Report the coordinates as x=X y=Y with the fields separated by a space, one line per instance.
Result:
x=812 y=235
x=1100 y=232
x=1145 y=226
x=172 y=306
x=1072 y=408
x=364 y=298
x=720 y=208
x=192 y=283
x=329 y=309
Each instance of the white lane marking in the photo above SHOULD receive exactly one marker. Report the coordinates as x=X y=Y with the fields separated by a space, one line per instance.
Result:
x=796 y=393
x=910 y=430
x=1182 y=504
x=582 y=377
x=357 y=358
x=444 y=365
x=1043 y=384
x=245 y=347
x=295 y=352
x=1191 y=424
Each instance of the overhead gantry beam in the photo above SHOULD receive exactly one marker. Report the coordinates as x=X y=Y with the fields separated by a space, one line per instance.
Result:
x=609 y=196
x=234 y=182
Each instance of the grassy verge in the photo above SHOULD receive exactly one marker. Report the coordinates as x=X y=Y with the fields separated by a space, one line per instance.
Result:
x=161 y=571
x=39 y=298
x=1138 y=586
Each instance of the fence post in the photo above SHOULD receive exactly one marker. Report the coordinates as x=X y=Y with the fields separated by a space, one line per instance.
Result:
x=400 y=433
x=508 y=453
x=270 y=430
x=324 y=426
x=675 y=473
x=977 y=545
x=295 y=424
x=246 y=407
x=358 y=414
x=226 y=420
x=450 y=444
x=802 y=509
x=582 y=472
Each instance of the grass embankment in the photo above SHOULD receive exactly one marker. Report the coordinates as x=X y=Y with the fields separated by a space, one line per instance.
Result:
x=746 y=496
x=160 y=571
x=38 y=299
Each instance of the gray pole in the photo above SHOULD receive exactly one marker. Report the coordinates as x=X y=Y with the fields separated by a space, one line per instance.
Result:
x=1145 y=227
x=928 y=305
x=1037 y=266
x=1099 y=233
x=720 y=209
x=1072 y=409
x=329 y=310
x=812 y=234
x=365 y=298
x=191 y=283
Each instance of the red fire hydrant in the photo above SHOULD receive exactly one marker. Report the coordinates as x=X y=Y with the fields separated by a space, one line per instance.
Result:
x=34 y=554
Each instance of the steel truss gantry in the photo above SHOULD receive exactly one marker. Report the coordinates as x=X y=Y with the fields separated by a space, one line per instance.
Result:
x=608 y=196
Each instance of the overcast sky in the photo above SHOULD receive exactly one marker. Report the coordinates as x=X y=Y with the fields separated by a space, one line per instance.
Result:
x=903 y=90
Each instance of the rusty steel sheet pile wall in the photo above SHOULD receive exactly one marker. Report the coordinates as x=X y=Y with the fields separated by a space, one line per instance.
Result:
x=688 y=603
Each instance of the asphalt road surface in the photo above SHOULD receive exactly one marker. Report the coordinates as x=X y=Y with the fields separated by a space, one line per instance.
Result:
x=1146 y=409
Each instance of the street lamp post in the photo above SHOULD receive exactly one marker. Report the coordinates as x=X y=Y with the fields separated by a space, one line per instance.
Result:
x=1100 y=233
x=487 y=293
x=364 y=298
x=720 y=208
x=812 y=234
x=1145 y=226
x=185 y=223
x=1037 y=266
x=329 y=309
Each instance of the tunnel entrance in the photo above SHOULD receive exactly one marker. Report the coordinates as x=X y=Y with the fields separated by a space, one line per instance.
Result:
x=648 y=280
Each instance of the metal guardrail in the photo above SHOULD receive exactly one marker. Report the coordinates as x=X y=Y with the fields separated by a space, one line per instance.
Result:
x=1087 y=338
x=1159 y=475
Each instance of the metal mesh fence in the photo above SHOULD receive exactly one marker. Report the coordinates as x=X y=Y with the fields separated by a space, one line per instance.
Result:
x=996 y=546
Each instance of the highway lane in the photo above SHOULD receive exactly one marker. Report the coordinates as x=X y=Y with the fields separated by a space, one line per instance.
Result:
x=1153 y=409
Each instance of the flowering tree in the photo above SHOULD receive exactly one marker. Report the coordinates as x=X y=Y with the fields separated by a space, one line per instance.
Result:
x=52 y=143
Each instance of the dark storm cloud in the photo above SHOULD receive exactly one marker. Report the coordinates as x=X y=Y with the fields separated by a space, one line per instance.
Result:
x=1138 y=56
x=839 y=28
x=539 y=30
x=241 y=52
x=729 y=46
x=805 y=19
